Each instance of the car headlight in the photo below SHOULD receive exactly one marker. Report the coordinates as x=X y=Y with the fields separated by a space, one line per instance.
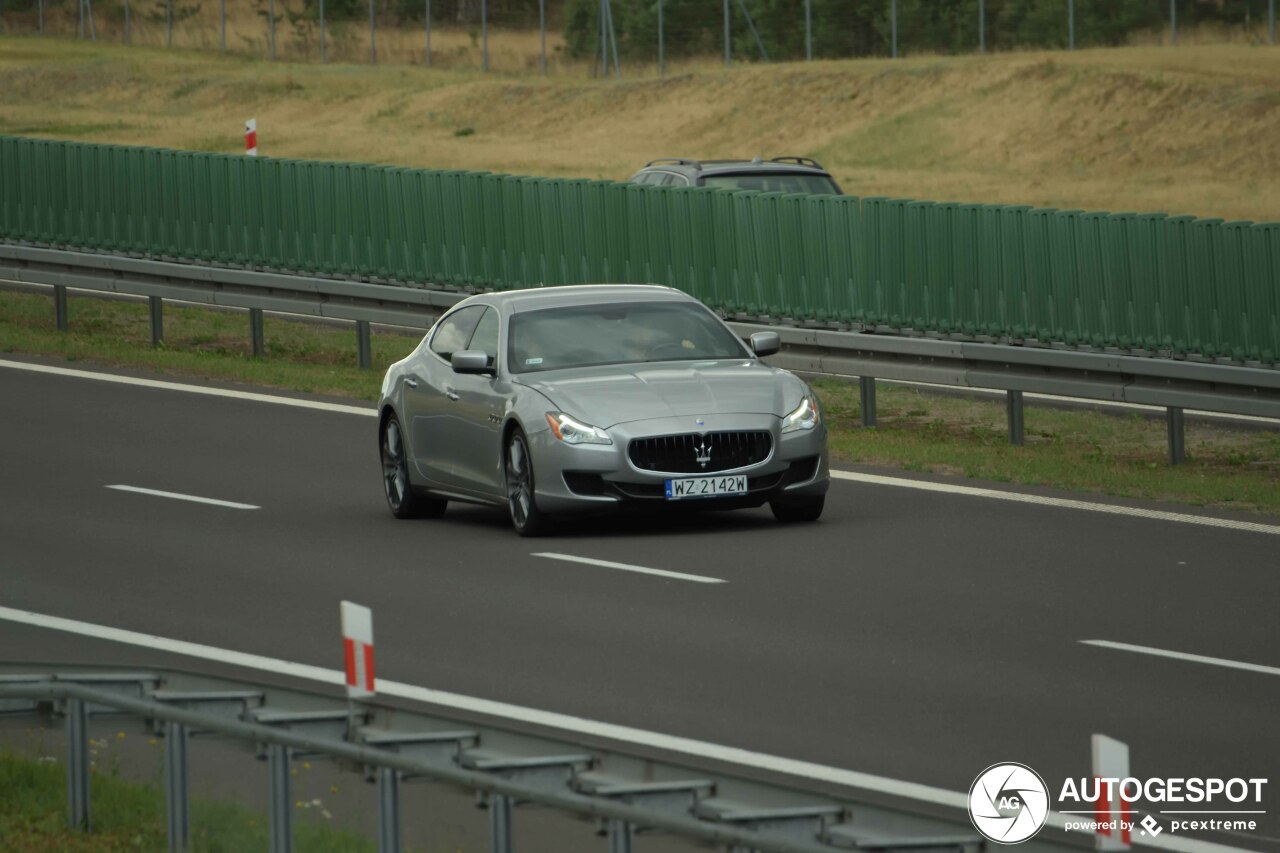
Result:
x=573 y=431
x=804 y=417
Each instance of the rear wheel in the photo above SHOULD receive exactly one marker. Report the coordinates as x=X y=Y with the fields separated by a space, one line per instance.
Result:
x=526 y=518
x=797 y=509
x=395 y=477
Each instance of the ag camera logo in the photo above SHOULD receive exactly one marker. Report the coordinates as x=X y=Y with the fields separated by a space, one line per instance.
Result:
x=1008 y=803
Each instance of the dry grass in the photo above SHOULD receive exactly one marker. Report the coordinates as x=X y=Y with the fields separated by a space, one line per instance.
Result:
x=1190 y=130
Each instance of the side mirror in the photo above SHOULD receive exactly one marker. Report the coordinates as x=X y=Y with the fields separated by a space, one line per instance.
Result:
x=765 y=343
x=471 y=361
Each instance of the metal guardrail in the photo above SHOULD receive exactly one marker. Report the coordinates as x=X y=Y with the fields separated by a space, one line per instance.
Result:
x=394 y=746
x=1175 y=384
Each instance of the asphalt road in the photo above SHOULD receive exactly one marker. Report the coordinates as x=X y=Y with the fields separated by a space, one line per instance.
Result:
x=913 y=634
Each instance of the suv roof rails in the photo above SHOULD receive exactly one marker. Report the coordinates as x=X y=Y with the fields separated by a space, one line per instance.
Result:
x=677 y=160
x=799 y=161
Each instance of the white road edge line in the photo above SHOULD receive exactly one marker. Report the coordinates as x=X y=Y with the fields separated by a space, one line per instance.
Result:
x=178 y=496
x=1184 y=656
x=873 y=479
x=1063 y=503
x=627 y=567
x=278 y=400
x=551 y=719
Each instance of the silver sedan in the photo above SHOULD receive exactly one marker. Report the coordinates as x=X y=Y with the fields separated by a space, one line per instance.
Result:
x=564 y=400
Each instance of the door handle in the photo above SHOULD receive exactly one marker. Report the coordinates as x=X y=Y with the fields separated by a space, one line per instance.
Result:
x=451 y=394
x=412 y=383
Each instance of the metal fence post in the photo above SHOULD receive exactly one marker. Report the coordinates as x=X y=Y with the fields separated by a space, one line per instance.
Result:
x=808 y=30
x=79 y=812
x=499 y=824
x=620 y=836
x=1071 y=24
x=177 y=787
x=982 y=26
x=222 y=23
x=364 y=350
x=1177 y=436
x=128 y=24
x=280 y=814
x=256 y=331
x=40 y=13
x=1271 y=20
x=867 y=394
x=1013 y=406
x=728 y=51
x=60 y=306
x=156 y=306
x=893 y=26
x=1173 y=23
x=388 y=810
x=373 y=39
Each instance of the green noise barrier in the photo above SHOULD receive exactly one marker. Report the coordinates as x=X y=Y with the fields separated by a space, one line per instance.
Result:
x=1165 y=285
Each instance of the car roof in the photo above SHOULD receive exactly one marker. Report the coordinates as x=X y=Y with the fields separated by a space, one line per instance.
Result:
x=534 y=298
x=776 y=165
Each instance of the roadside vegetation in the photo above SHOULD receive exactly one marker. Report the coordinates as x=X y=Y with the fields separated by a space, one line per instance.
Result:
x=1186 y=130
x=1121 y=455
x=129 y=816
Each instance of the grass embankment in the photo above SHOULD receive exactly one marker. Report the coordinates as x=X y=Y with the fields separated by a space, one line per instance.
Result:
x=1185 y=130
x=129 y=815
x=1081 y=450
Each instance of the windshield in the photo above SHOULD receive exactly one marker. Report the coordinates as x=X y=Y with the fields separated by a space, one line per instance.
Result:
x=775 y=182
x=617 y=333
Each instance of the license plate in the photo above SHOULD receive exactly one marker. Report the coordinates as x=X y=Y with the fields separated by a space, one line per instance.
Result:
x=706 y=487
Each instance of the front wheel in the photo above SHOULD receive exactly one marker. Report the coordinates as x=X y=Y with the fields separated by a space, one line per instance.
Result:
x=401 y=500
x=526 y=518
x=797 y=509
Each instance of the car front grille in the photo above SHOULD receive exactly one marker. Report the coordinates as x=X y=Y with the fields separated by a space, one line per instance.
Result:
x=699 y=453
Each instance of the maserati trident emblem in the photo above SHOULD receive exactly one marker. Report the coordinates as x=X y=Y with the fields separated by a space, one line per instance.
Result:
x=702 y=453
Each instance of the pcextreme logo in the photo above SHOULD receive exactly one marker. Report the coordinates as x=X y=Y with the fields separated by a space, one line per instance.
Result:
x=1008 y=803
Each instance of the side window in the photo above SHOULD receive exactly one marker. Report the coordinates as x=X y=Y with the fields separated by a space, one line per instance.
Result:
x=645 y=178
x=455 y=330
x=679 y=181
x=667 y=179
x=485 y=338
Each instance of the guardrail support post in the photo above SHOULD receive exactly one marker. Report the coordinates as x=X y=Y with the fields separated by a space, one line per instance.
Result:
x=60 y=306
x=156 y=304
x=255 y=331
x=1177 y=436
x=388 y=810
x=868 y=396
x=79 y=813
x=499 y=824
x=620 y=836
x=280 y=816
x=364 y=349
x=1013 y=404
x=176 y=787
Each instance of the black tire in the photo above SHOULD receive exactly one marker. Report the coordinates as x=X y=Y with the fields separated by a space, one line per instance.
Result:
x=797 y=509
x=401 y=499
x=526 y=518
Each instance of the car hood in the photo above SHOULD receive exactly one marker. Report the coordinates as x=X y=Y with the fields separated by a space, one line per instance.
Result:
x=614 y=394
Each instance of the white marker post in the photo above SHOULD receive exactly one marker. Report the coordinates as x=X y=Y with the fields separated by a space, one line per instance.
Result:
x=357 y=644
x=1111 y=761
x=251 y=137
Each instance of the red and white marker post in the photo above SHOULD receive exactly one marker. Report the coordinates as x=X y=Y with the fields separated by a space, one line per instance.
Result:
x=251 y=137
x=1111 y=761
x=357 y=645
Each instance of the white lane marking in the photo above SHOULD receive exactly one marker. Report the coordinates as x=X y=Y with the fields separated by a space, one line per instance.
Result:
x=178 y=496
x=551 y=719
x=1064 y=503
x=569 y=558
x=874 y=479
x=1184 y=656
x=191 y=389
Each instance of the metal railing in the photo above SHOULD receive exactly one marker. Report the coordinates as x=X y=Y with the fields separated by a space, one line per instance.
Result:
x=1174 y=384
x=509 y=768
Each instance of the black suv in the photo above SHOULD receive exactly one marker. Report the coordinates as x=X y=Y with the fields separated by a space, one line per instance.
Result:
x=781 y=174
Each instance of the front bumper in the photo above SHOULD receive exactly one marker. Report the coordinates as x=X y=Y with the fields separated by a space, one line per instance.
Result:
x=593 y=477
